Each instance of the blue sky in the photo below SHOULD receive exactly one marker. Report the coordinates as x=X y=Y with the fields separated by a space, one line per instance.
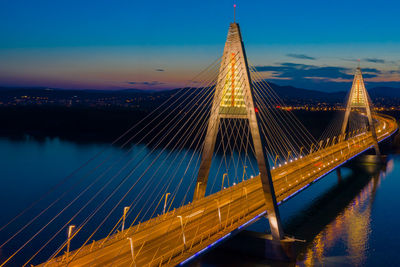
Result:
x=122 y=44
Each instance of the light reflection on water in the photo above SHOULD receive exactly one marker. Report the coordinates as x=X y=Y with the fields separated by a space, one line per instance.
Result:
x=352 y=227
x=349 y=231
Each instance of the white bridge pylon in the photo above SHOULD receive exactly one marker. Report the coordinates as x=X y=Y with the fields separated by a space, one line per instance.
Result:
x=359 y=100
x=233 y=98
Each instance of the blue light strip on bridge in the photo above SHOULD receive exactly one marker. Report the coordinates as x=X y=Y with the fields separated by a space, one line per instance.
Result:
x=252 y=220
x=204 y=249
x=222 y=238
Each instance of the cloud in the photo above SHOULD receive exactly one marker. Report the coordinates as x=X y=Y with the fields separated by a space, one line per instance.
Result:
x=394 y=72
x=296 y=71
x=371 y=70
x=302 y=71
x=375 y=60
x=330 y=78
x=370 y=60
x=159 y=70
x=301 y=56
x=152 y=83
x=348 y=59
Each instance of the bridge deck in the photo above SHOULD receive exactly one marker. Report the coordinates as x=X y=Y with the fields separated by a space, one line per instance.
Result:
x=160 y=241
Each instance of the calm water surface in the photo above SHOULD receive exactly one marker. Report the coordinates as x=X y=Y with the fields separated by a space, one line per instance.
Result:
x=354 y=222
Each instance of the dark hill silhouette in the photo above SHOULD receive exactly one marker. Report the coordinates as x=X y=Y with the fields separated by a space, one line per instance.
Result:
x=289 y=94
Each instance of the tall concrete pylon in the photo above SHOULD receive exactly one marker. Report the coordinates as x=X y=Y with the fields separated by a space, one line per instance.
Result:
x=233 y=98
x=359 y=99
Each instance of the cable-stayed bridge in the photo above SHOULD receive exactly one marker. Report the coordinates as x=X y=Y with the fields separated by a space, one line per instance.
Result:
x=230 y=125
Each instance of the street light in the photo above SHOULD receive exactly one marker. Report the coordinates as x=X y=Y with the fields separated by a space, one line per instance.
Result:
x=333 y=140
x=197 y=189
x=311 y=147
x=126 y=209
x=165 y=202
x=327 y=142
x=223 y=179
x=288 y=155
x=70 y=228
x=132 y=250
x=244 y=171
x=276 y=158
x=183 y=232
x=320 y=144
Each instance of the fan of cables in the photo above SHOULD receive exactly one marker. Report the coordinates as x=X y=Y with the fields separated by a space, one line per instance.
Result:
x=152 y=169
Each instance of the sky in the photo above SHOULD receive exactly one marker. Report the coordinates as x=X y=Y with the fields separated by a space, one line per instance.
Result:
x=153 y=45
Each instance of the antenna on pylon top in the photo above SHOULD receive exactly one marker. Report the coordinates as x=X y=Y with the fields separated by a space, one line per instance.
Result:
x=359 y=60
x=234 y=12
